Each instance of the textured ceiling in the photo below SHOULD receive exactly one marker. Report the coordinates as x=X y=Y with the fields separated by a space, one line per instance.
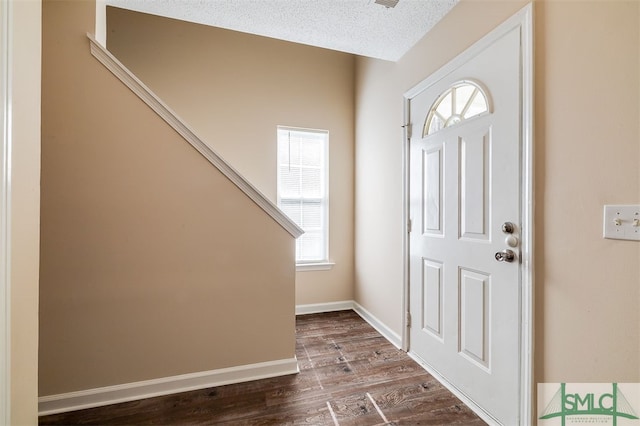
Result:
x=361 y=27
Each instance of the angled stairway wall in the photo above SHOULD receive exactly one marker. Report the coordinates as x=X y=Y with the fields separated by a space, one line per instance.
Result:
x=234 y=89
x=153 y=263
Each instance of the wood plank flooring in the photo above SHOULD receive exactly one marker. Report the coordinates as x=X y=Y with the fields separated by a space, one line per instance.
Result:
x=349 y=375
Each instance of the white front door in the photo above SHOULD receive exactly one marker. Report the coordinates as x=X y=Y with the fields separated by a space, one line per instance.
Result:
x=464 y=186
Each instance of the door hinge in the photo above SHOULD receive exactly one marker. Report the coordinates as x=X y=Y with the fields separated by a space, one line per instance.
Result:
x=408 y=128
x=408 y=319
x=409 y=226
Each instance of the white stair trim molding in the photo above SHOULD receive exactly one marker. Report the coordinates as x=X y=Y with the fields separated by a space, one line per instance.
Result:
x=170 y=117
x=346 y=305
x=97 y=397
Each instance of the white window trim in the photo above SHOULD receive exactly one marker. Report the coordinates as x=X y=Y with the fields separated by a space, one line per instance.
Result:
x=317 y=264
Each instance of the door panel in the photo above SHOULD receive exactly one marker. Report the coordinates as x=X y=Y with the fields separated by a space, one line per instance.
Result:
x=475 y=316
x=432 y=184
x=464 y=183
x=432 y=300
x=474 y=186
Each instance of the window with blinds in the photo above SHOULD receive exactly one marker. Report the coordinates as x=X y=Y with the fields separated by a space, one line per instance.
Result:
x=302 y=189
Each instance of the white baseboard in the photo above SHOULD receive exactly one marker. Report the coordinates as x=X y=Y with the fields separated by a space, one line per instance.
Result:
x=316 y=308
x=164 y=386
x=97 y=397
x=380 y=327
x=454 y=390
x=344 y=305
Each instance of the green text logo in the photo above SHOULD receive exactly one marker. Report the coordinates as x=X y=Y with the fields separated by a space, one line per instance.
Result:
x=566 y=404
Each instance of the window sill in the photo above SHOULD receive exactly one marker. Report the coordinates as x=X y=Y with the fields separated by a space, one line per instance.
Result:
x=320 y=266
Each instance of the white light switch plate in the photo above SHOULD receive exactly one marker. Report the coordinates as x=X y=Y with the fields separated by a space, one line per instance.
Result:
x=621 y=222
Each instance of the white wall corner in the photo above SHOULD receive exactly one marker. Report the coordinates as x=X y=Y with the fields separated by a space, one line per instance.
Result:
x=101 y=22
x=97 y=397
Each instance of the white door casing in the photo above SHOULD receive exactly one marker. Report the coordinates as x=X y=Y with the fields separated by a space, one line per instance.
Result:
x=470 y=314
x=5 y=103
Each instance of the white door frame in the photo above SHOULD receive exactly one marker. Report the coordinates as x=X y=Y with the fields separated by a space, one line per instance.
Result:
x=5 y=181
x=524 y=21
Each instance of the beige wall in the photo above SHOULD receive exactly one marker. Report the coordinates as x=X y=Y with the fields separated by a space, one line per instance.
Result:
x=588 y=70
x=25 y=210
x=152 y=263
x=587 y=149
x=234 y=89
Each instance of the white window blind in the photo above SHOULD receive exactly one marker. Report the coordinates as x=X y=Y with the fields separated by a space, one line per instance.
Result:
x=302 y=188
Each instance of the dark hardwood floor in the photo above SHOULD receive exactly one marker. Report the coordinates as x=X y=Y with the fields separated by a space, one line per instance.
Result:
x=349 y=375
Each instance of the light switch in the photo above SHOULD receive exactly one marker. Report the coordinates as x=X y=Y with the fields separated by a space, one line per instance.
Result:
x=621 y=222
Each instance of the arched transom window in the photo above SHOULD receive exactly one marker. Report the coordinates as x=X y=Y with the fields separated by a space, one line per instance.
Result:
x=461 y=101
